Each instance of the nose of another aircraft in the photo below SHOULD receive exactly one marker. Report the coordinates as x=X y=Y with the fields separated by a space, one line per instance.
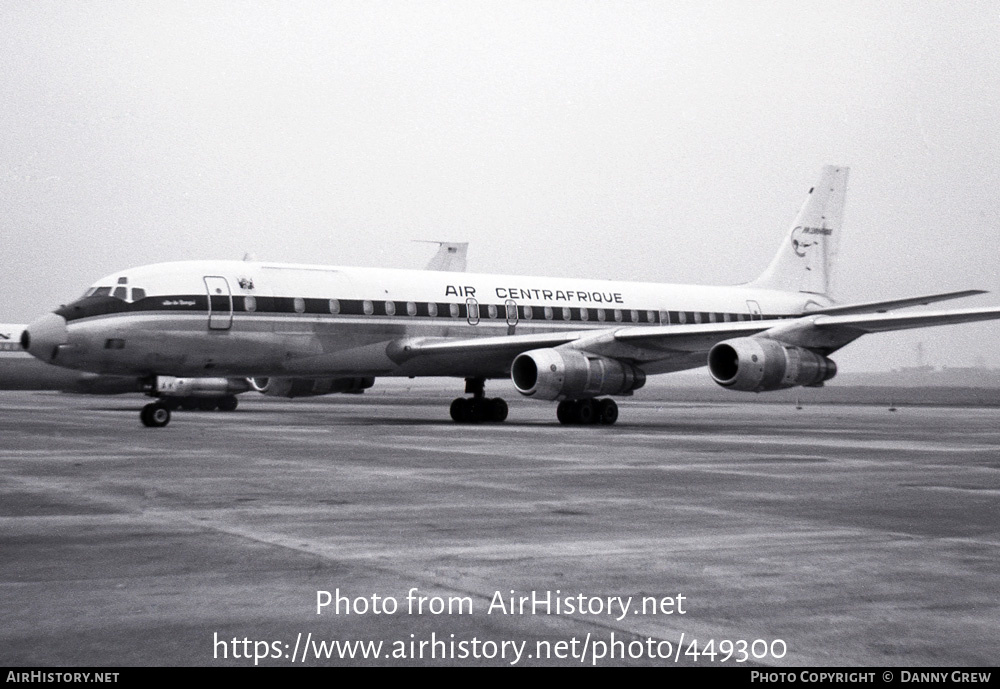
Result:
x=43 y=337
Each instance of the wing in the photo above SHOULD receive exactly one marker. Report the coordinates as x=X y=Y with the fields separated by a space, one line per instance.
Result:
x=660 y=348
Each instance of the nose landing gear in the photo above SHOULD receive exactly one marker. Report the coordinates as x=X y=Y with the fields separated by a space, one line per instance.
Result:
x=155 y=415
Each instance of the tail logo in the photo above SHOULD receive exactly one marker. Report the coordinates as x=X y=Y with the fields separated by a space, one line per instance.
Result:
x=799 y=244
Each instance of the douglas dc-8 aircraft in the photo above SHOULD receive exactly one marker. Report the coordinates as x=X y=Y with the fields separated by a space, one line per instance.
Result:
x=576 y=341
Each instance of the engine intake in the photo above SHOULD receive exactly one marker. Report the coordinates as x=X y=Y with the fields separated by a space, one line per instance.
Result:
x=757 y=364
x=551 y=374
x=310 y=387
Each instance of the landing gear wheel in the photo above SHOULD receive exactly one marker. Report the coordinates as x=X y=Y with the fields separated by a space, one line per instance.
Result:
x=566 y=412
x=607 y=411
x=466 y=410
x=585 y=412
x=228 y=403
x=498 y=410
x=155 y=415
x=461 y=409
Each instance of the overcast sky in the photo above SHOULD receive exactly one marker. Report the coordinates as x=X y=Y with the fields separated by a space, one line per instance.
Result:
x=656 y=141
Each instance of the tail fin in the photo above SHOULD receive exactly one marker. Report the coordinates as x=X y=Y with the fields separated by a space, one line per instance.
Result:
x=449 y=257
x=805 y=259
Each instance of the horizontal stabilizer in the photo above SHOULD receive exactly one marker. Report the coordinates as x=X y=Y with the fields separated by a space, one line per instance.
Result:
x=883 y=306
x=876 y=323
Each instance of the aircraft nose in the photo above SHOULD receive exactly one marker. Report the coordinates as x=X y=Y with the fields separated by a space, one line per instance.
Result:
x=43 y=338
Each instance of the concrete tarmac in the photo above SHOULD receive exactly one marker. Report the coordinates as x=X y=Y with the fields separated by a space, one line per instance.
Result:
x=830 y=535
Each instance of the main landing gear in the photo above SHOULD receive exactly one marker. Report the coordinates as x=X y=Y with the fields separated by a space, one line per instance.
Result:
x=588 y=411
x=157 y=414
x=478 y=408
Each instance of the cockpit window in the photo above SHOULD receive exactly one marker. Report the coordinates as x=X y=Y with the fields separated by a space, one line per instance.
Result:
x=120 y=292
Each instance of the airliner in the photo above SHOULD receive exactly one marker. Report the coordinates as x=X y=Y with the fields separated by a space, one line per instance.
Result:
x=576 y=341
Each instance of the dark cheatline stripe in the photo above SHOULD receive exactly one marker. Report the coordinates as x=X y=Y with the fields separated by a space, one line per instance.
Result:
x=89 y=307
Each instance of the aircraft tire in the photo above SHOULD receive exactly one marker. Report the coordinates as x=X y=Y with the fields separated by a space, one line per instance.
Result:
x=155 y=415
x=607 y=411
x=566 y=412
x=498 y=410
x=460 y=411
x=585 y=412
x=477 y=410
x=228 y=403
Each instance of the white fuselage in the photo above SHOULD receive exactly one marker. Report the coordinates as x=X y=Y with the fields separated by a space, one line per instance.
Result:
x=234 y=318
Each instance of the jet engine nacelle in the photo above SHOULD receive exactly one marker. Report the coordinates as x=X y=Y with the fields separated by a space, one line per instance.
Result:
x=310 y=387
x=757 y=364
x=169 y=386
x=552 y=374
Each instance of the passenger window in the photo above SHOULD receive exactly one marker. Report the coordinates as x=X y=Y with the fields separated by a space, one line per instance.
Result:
x=411 y=308
x=249 y=304
x=390 y=308
x=492 y=310
x=600 y=314
x=618 y=315
x=334 y=306
x=368 y=307
x=635 y=315
x=548 y=313
x=299 y=304
x=529 y=312
x=454 y=310
x=432 y=309
x=567 y=314
x=584 y=314
x=651 y=316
